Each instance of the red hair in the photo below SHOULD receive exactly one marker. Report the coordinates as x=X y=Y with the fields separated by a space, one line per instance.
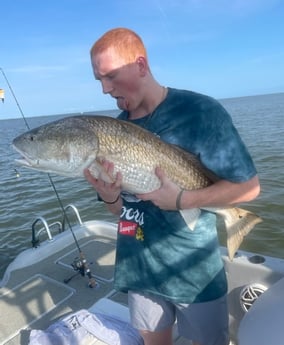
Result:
x=125 y=42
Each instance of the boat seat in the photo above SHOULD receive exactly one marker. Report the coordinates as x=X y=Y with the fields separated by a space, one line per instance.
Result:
x=263 y=323
x=108 y=307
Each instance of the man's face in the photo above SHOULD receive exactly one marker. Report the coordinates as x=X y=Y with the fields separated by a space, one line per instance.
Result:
x=119 y=79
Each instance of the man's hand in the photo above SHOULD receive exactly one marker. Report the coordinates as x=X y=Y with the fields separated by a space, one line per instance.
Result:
x=107 y=191
x=165 y=197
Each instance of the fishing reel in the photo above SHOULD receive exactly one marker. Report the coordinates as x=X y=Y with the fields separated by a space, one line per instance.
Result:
x=79 y=265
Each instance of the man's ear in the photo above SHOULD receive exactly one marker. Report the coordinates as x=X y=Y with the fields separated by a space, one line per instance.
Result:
x=142 y=65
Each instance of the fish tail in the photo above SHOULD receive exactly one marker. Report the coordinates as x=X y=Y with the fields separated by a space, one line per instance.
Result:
x=238 y=224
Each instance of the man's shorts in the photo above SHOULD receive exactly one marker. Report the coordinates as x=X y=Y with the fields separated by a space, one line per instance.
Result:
x=204 y=323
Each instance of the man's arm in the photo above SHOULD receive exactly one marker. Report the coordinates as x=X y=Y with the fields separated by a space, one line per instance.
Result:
x=220 y=194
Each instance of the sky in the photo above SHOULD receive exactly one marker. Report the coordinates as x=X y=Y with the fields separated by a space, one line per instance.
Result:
x=223 y=48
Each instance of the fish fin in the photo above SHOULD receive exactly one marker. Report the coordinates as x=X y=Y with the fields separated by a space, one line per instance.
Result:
x=238 y=224
x=191 y=217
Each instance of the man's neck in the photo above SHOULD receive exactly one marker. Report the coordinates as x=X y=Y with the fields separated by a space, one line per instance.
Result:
x=150 y=103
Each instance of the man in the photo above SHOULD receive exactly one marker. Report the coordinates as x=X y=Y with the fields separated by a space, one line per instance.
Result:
x=170 y=272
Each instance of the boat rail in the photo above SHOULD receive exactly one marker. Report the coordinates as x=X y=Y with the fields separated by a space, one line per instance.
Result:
x=75 y=210
x=45 y=229
x=48 y=228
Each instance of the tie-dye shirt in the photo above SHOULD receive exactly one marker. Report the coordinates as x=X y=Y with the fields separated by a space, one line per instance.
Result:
x=156 y=251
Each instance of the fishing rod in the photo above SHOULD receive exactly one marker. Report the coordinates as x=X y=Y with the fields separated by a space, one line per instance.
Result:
x=80 y=264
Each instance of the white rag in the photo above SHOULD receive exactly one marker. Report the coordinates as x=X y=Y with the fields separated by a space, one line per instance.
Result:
x=81 y=327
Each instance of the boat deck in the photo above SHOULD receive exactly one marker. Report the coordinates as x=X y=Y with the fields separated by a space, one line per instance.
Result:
x=48 y=289
x=41 y=285
x=40 y=296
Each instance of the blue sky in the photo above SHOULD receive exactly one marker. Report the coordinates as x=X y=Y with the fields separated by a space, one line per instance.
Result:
x=224 y=48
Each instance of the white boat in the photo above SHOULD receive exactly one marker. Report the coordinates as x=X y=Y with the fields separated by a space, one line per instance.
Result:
x=51 y=281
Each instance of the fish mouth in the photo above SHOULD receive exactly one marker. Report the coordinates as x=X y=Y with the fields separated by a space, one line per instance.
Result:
x=25 y=160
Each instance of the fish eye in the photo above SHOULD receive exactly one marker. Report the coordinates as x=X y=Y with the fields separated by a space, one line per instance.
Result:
x=32 y=138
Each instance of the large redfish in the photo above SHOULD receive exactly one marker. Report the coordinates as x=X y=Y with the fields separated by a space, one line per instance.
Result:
x=68 y=146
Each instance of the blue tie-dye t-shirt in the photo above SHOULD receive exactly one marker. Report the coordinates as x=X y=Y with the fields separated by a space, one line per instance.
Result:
x=156 y=251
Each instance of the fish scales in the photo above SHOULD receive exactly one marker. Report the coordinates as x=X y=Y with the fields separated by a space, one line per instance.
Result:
x=136 y=153
x=72 y=144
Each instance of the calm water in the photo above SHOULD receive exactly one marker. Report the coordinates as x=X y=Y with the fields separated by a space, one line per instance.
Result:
x=27 y=194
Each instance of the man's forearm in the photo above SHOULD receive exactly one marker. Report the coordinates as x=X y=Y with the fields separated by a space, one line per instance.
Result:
x=221 y=194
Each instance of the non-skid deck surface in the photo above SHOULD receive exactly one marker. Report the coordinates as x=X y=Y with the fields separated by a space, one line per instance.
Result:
x=22 y=305
x=100 y=257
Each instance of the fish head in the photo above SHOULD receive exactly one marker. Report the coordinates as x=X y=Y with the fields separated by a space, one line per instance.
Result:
x=65 y=147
